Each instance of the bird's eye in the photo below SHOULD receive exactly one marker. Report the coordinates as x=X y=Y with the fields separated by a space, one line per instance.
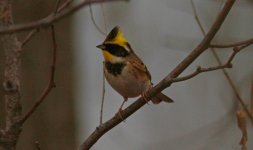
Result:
x=117 y=50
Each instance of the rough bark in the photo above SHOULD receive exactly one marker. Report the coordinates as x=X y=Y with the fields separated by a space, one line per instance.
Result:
x=11 y=83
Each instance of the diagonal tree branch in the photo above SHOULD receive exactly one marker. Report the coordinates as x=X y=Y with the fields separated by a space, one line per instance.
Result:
x=166 y=82
x=51 y=19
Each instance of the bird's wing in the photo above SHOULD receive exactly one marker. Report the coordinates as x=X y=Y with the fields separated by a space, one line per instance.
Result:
x=139 y=65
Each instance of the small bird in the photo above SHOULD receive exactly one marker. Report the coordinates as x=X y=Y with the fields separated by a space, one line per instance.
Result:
x=124 y=70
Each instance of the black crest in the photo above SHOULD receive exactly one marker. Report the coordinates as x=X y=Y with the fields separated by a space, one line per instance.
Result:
x=112 y=34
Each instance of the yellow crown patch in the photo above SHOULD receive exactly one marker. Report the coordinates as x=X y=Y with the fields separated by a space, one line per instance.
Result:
x=116 y=37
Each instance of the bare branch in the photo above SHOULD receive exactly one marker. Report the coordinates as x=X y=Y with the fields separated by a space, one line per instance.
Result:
x=103 y=98
x=51 y=19
x=166 y=82
x=196 y=17
x=34 y=31
x=104 y=16
x=94 y=22
x=57 y=6
x=64 y=5
x=232 y=84
x=200 y=70
x=29 y=36
x=229 y=79
x=249 y=41
x=51 y=83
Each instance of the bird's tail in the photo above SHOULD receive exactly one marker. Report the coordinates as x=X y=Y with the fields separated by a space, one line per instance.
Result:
x=161 y=97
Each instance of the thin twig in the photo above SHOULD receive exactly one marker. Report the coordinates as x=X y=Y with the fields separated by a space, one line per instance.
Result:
x=103 y=98
x=199 y=70
x=51 y=19
x=251 y=97
x=104 y=17
x=232 y=44
x=196 y=17
x=51 y=82
x=103 y=88
x=94 y=22
x=166 y=82
x=232 y=84
x=229 y=79
x=28 y=37
x=64 y=5
x=34 y=31
x=57 y=6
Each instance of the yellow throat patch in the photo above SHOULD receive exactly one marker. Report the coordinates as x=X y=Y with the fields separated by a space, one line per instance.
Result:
x=108 y=56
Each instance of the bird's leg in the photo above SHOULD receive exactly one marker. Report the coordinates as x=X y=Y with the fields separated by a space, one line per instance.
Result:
x=120 y=109
x=144 y=94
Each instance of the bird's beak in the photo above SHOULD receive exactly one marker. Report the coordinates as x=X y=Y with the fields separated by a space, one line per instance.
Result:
x=101 y=46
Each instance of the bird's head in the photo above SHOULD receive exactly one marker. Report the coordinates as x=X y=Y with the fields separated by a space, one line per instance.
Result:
x=115 y=48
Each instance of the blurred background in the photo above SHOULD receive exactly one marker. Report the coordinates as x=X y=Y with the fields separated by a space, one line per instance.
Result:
x=162 y=33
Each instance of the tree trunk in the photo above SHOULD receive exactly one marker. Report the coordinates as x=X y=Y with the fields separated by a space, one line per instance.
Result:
x=11 y=84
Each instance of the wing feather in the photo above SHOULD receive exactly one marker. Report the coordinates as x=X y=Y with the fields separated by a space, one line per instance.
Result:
x=139 y=65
